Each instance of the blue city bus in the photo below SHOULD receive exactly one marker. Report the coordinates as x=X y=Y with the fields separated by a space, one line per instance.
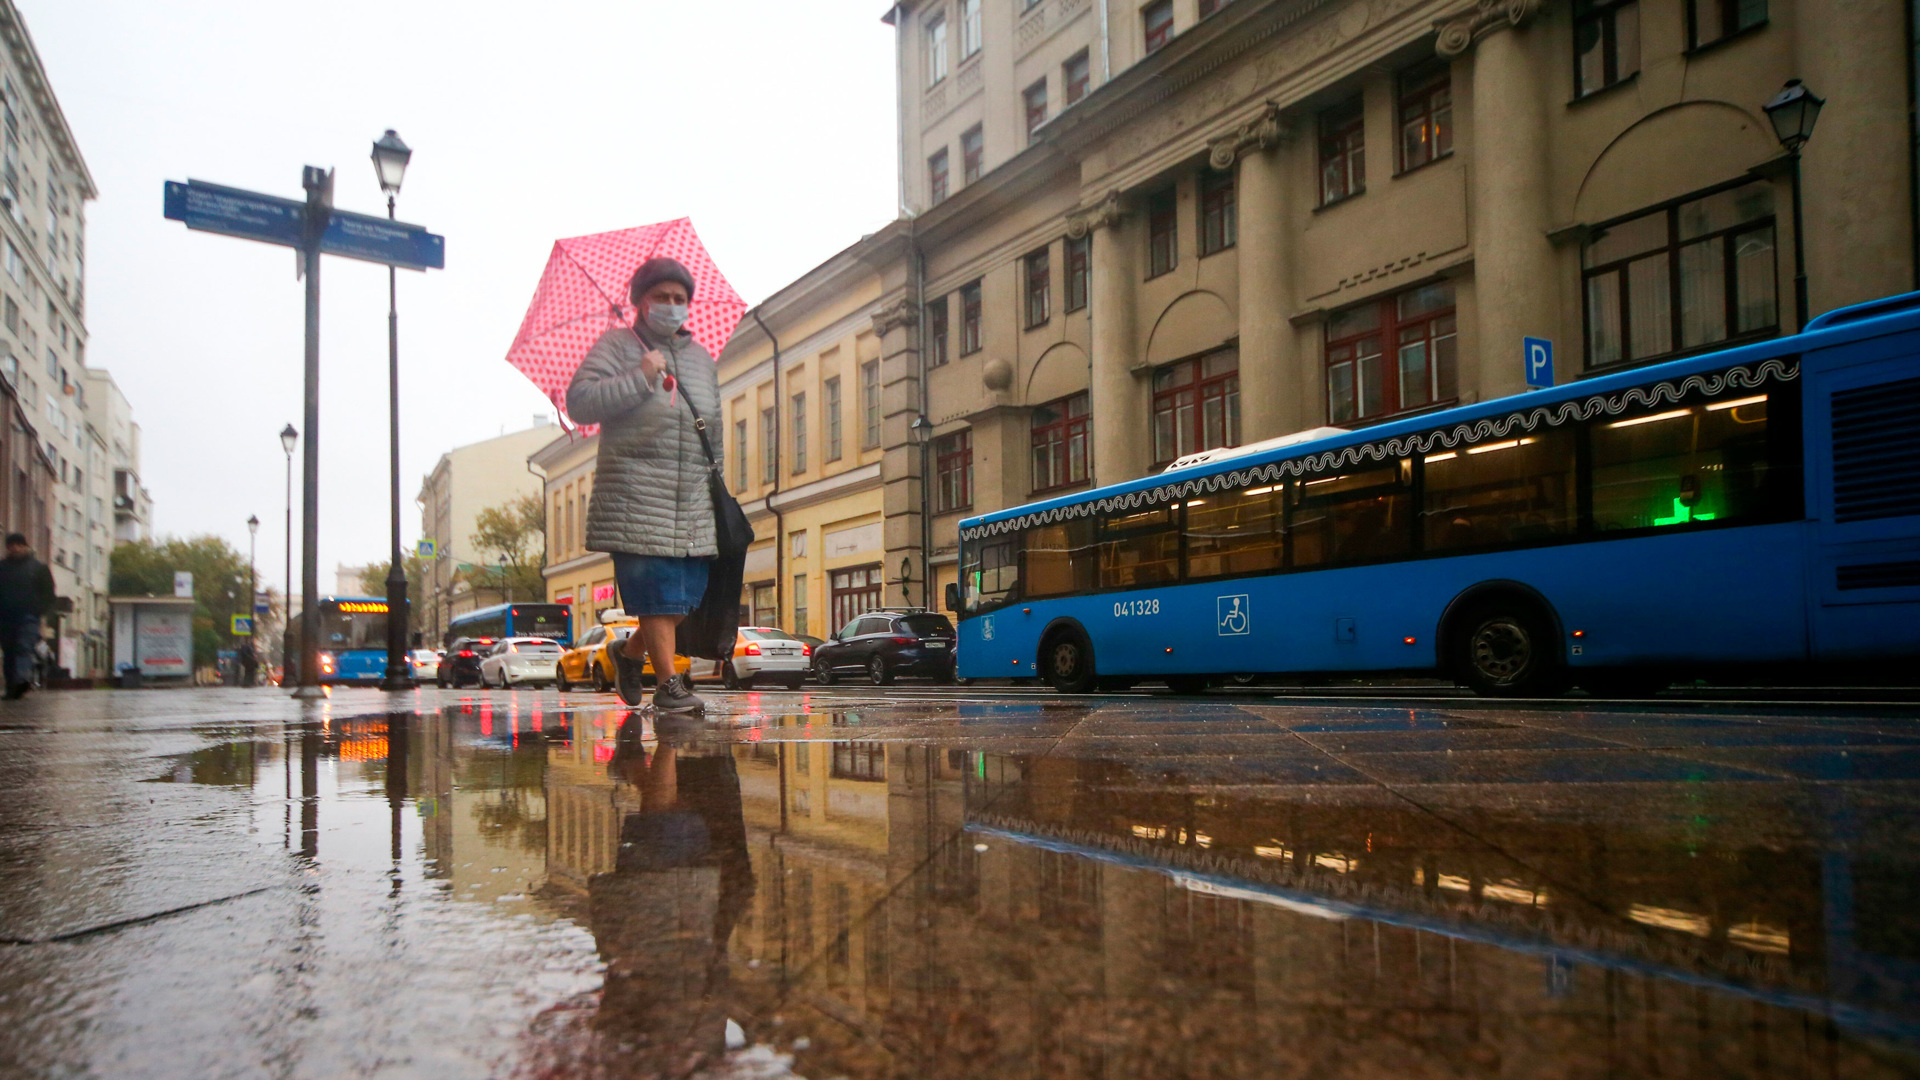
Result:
x=1752 y=509
x=514 y=620
x=353 y=639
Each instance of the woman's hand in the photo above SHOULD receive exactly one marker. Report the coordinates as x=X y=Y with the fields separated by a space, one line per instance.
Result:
x=652 y=364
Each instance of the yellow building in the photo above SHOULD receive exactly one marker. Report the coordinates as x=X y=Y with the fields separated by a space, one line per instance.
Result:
x=574 y=575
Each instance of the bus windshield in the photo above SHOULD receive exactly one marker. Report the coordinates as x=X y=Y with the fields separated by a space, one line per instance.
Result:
x=353 y=624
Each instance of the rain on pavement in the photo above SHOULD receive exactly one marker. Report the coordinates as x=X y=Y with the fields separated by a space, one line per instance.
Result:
x=910 y=883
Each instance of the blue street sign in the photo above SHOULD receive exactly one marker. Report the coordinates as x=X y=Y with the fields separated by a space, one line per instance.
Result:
x=273 y=220
x=1539 y=353
x=426 y=549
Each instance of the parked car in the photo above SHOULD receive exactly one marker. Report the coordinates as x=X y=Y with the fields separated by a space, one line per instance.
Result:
x=426 y=663
x=813 y=644
x=460 y=666
x=517 y=661
x=760 y=653
x=889 y=642
x=587 y=663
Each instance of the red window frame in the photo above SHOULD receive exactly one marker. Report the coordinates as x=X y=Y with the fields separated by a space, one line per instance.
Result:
x=1343 y=151
x=1035 y=99
x=1156 y=20
x=953 y=471
x=1426 y=113
x=969 y=319
x=1219 y=224
x=1060 y=444
x=1163 y=233
x=852 y=591
x=1079 y=271
x=1369 y=347
x=1039 y=296
x=1196 y=405
x=972 y=154
x=937 y=177
x=1076 y=76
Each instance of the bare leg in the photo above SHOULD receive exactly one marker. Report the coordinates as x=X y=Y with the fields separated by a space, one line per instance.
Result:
x=655 y=636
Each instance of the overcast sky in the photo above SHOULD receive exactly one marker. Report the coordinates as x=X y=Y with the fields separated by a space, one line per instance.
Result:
x=769 y=122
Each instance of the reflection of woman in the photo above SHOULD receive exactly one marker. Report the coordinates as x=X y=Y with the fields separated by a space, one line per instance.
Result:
x=680 y=882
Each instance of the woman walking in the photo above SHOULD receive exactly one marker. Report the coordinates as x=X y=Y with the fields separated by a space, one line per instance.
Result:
x=652 y=509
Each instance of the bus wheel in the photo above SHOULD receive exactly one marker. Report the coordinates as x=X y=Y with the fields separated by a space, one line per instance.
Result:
x=1506 y=649
x=1066 y=661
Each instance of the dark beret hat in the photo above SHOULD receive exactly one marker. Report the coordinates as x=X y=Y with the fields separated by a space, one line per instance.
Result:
x=653 y=272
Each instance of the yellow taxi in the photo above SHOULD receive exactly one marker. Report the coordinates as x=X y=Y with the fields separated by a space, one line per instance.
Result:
x=588 y=664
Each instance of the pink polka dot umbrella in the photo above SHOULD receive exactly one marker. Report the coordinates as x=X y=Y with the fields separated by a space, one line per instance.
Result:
x=583 y=294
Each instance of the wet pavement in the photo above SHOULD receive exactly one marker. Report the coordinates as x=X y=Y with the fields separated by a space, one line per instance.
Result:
x=946 y=883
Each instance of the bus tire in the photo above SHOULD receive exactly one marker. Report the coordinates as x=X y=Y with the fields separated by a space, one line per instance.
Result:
x=1066 y=660
x=1507 y=647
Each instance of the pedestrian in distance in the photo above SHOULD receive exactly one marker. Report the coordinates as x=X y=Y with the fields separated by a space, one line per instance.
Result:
x=249 y=664
x=26 y=598
x=652 y=509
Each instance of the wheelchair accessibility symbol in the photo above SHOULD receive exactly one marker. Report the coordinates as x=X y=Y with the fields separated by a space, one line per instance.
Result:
x=1233 y=615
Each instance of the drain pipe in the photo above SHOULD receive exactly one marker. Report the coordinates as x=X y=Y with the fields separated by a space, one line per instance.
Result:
x=779 y=519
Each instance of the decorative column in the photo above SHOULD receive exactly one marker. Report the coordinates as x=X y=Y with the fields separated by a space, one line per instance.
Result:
x=1115 y=395
x=1272 y=399
x=897 y=325
x=1513 y=264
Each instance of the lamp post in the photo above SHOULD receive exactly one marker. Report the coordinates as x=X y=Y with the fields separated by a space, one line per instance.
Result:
x=921 y=431
x=253 y=583
x=1794 y=111
x=506 y=594
x=390 y=157
x=288 y=437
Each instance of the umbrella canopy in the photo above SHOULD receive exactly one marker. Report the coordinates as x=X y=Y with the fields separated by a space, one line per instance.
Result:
x=583 y=294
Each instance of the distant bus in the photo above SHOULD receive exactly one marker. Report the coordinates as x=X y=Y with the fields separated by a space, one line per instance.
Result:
x=353 y=640
x=514 y=620
x=1750 y=509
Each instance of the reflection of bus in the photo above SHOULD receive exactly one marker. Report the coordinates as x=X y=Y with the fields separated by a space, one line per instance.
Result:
x=514 y=620
x=353 y=640
x=1755 y=507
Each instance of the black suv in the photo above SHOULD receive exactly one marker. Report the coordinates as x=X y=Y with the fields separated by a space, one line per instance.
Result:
x=889 y=642
x=461 y=666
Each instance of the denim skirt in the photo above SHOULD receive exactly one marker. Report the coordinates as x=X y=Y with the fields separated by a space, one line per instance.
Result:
x=660 y=584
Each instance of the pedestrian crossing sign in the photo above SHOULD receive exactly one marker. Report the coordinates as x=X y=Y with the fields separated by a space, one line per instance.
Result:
x=242 y=626
x=426 y=549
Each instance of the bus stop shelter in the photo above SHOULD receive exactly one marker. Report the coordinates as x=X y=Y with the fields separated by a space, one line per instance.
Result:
x=152 y=638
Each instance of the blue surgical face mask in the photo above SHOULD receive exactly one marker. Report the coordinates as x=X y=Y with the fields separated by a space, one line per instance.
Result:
x=665 y=319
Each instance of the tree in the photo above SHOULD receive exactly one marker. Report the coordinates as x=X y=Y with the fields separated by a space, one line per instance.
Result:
x=517 y=529
x=373 y=582
x=221 y=585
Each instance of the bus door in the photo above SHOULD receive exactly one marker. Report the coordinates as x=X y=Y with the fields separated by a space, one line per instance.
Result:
x=1863 y=490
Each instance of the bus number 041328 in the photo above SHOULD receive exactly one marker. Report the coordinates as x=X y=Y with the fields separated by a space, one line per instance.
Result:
x=1126 y=608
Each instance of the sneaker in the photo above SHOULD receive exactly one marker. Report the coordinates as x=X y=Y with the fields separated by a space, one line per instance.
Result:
x=673 y=695
x=629 y=676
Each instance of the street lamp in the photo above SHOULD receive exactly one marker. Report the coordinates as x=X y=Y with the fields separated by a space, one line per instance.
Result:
x=288 y=437
x=506 y=594
x=390 y=157
x=921 y=432
x=1794 y=111
x=253 y=582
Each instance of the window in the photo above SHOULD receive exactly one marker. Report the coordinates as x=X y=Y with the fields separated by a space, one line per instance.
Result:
x=797 y=412
x=1035 y=98
x=740 y=455
x=969 y=28
x=1606 y=43
x=1075 y=77
x=969 y=318
x=831 y=391
x=1707 y=462
x=1039 y=286
x=14 y=266
x=1358 y=517
x=1499 y=493
x=1060 y=443
x=764 y=611
x=937 y=177
x=991 y=573
x=1426 y=113
x=13 y=316
x=1157 y=21
x=769 y=446
x=1391 y=355
x=1196 y=405
x=870 y=404
x=1236 y=532
x=1079 y=269
x=1343 y=151
x=1710 y=20
x=859 y=761
x=953 y=471
x=1140 y=547
x=972 y=154
x=1218 y=227
x=853 y=592
x=1163 y=233
x=800 y=602
x=1694 y=274
x=936 y=49
x=937 y=332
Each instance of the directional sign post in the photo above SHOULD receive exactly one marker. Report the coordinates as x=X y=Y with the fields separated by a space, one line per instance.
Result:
x=1539 y=361
x=313 y=228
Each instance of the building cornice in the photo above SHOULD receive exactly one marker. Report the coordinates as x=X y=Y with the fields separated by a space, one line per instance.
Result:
x=851 y=482
x=1459 y=31
x=14 y=29
x=825 y=284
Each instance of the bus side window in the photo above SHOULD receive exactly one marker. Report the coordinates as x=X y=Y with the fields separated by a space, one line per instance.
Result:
x=1513 y=491
x=1061 y=559
x=991 y=574
x=1670 y=467
x=1140 y=548
x=1359 y=517
x=1236 y=532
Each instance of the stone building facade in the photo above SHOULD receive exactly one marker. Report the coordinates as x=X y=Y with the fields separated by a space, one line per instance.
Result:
x=465 y=481
x=1142 y=229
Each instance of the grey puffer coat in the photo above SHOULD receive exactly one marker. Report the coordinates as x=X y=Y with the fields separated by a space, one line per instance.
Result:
x=650 y=494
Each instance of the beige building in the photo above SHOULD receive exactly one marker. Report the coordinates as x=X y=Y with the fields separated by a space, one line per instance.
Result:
x=465 y=481
x=1143 y=229
x=574 y=575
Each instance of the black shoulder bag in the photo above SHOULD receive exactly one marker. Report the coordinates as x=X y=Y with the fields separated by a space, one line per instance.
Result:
x=709 y=632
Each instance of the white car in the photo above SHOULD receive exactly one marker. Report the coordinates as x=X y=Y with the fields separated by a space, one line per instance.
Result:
x=518 y=661
x=426 y=664
x=764 y=654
